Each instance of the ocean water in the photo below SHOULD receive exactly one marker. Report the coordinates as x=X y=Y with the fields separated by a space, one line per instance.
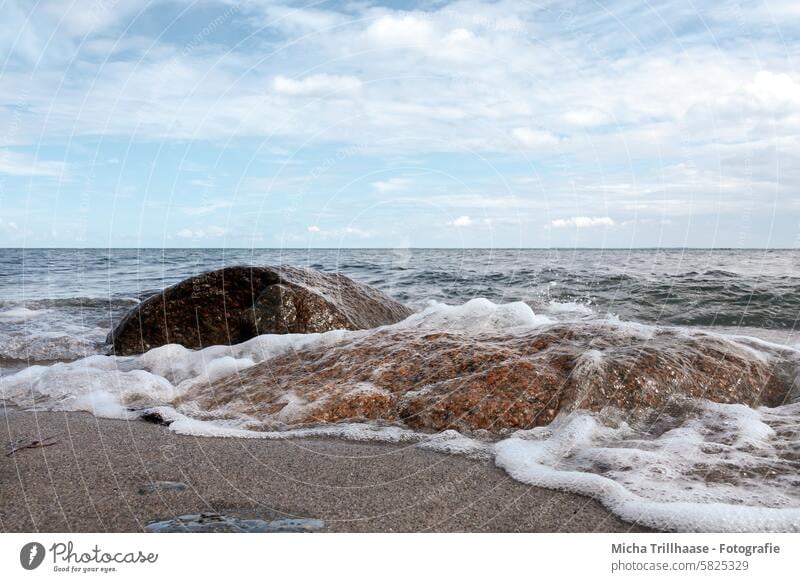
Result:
x=59 y=304
x=701 y=467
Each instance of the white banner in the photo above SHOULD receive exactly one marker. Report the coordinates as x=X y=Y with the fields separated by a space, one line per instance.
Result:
x=423 y=557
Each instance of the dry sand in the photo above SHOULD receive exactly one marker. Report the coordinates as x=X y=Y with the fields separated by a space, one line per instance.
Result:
x=89 y=482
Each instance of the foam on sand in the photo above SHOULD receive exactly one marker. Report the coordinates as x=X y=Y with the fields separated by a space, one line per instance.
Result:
x=95 y=384
x=721 y=468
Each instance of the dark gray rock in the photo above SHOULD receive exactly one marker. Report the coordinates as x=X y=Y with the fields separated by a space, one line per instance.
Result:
x=234 y=304
x=216 y=523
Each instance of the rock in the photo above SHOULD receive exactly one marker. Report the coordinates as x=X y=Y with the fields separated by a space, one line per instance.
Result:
x=155 y=486
x=234 y=304
x=216 y=523
x=493 y=381
x=152 y=416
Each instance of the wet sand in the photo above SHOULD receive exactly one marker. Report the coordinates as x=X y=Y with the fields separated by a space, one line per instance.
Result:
x=89 y=481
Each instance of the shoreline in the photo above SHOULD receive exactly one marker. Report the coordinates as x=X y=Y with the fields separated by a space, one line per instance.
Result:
x=89 y=481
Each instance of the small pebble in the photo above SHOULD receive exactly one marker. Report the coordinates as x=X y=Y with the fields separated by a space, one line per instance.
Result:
x=162 y=486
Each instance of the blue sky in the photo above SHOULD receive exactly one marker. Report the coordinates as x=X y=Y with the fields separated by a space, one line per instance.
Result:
x=399 y=124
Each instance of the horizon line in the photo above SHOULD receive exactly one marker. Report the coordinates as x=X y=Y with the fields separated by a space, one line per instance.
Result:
x=32 y=248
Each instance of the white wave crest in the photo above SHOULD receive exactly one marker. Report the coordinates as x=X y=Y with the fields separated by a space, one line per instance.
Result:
x=22 y=313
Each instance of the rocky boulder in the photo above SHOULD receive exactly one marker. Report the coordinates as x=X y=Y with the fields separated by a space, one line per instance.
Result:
x=492 y=381
x=234 y=304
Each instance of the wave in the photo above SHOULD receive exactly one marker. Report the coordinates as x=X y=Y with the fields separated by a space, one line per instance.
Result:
x=59 y=329
x=51 y=346
x=71 y=302
x=22 y=313
x=631 y=424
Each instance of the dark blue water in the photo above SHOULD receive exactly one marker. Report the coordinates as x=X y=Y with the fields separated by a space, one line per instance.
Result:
x=74 y=296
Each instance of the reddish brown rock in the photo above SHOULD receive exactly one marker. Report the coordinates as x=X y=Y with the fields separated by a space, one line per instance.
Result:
x=237 y=303
x=437 y=381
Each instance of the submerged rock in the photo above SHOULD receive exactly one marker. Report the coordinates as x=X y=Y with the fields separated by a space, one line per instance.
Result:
x=497 y=381
x=234 y=304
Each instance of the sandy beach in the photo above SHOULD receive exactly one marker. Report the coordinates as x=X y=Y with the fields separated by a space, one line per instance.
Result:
x=90 y=481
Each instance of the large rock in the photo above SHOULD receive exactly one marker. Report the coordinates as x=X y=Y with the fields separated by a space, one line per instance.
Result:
x=237 y=303
x=494 y=381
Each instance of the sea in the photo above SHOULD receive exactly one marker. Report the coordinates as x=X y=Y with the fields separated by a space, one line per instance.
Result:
x=57 y=307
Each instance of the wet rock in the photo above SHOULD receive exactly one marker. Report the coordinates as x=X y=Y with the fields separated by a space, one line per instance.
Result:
x=493 y=381
x=216 y=523
x=158 y=486
x=234 y=304
x=286 y=309
x=153 y=416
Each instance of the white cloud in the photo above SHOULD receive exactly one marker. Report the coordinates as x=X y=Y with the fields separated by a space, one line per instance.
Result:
x=401 y=31
x=461 y=221
x=317 y=85
x=204 y=233
x=299 y=20
x=431 y=35
x=390 y=185
x=351 y=231
x=50 y=28
x=17 y=164
x=206 y=184
x=585 y=118
x=499 y=83
x=533 y=138
x=478 y=201
x=207 y=208
x=496 y=85
x=582 y=222
x=774 y=91
x=79 y=20
x=344 y=232
x=9 y=226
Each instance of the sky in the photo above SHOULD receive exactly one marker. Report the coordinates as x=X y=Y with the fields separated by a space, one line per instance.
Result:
x=217 y=123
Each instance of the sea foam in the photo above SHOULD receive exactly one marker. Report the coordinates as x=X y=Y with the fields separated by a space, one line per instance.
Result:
x=22 y=313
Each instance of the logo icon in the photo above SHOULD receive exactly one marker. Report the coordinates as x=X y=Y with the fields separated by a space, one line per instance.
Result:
x=31 y=555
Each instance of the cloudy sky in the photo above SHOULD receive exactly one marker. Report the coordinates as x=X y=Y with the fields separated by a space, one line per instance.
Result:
x=399 y=124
